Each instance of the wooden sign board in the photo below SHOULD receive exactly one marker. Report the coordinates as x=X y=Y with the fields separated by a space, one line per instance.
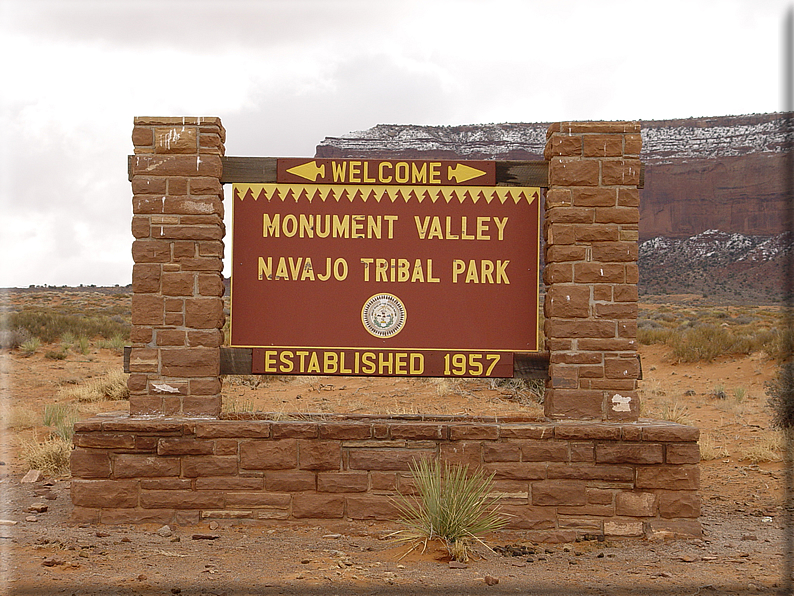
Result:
x=385 y=267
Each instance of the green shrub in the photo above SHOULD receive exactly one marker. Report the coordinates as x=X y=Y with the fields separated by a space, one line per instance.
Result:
x=30 y=346
x=452 y=506
x=61 y=417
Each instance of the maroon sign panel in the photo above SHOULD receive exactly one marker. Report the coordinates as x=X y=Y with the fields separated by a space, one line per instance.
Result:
x=385 y=278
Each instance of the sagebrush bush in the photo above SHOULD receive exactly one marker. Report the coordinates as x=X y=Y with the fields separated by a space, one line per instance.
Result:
x=452 y=506
x=49 y=325
x=780 y=391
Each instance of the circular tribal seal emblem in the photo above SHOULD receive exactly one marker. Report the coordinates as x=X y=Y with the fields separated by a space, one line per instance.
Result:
x=383 y=315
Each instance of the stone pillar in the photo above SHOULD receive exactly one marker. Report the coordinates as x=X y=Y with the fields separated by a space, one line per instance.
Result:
x=591 y=233
x=177 y=278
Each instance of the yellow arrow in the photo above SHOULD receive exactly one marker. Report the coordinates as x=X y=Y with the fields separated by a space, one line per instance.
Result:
x=462 y=173
x=309 y=170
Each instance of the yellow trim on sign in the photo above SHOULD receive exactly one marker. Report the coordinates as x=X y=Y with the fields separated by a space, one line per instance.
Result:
x=379 y=193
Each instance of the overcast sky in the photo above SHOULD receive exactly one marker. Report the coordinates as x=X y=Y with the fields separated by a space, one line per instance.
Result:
x=284 y=74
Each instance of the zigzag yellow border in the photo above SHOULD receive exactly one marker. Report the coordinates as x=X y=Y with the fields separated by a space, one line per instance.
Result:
x=325 y=192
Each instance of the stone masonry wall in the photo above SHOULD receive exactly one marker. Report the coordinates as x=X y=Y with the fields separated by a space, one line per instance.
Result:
x=591 y=232
x=177 y=283
x=557 y=480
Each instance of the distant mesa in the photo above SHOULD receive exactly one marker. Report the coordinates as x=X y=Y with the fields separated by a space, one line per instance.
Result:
x=721 y=173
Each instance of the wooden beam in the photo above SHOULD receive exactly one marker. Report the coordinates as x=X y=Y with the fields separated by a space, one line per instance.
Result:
x=237 y=361
x=260 y=170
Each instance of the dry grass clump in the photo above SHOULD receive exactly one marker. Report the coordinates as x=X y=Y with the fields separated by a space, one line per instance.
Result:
x=665 y=409
x=451 y=505
x=51 y=457
x=712 y=447
x=768 y=446
x=110 y=386
x=18 y=418
x=11 y=339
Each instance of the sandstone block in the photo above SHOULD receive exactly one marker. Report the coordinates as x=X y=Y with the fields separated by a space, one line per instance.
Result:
x=269 y=455
x=370 y=507
x=617 y=215
x=342 y=482
x=566 y=301
x=137 y=466
x=559 y=233
x=234 y=429
x=208 y=338
x=181 y=499
x=565 y=145
x=578 y=471
x=526 y=431
x=558 y=492
x=104 y=493
x=210 y=285
x=623 y=528
x=594 y=197
x=231 y=483
x=558 y=197
x=595 y=145
x=596 y=233
x=517 y=470
x=204 y=313
x=170 y=337
x=319 y=455
x=208 y=465
x=142 y=185
x=570 y=215
x=291 y=481
x=166 y=483
x=674 y=504
x=558 y=273
x=628 y=453
x=681 y=528
x=386 y=459
x=293 y=429
x=682 y=453
x=682 y=477
x=621 y=368
x=178 y=284
x=557 y=253
x=463 y=453
x=205 y=186
x=104 y=441
x=615 y=251
x=176 y=139
x=190 y=362
x=151 y=251
x=184 y=446
x=258 y=500
x=572 y=171
x=573 y=404
x=345 y=430
x=598 y=273
x=89 y=464
x=114 y=517
x=669 y=432
x=469 y=432
x=147 y=310
x=625 y=172
x=544 y=451
x=493 y=452
x=586 y=329
x=635 y=504
x=418 y=431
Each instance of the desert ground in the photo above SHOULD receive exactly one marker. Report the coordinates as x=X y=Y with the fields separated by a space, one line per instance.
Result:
x=742 y=477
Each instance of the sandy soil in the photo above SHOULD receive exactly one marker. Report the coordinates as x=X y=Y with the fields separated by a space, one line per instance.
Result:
x=742 y=515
